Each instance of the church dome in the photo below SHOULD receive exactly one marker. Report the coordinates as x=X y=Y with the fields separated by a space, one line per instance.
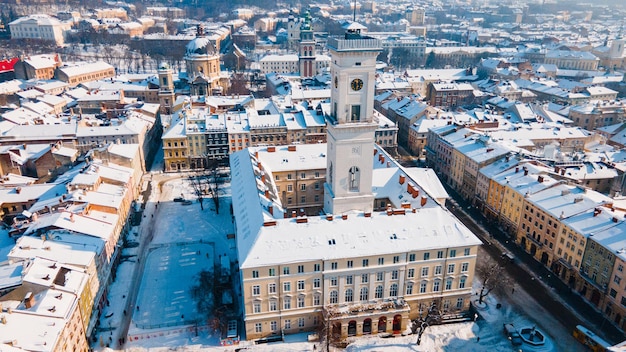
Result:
x=200 y=46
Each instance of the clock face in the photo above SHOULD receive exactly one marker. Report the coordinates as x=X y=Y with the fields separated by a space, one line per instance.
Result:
x=356 y=84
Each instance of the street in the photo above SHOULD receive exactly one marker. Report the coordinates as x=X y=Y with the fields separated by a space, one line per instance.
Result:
x=538 y=293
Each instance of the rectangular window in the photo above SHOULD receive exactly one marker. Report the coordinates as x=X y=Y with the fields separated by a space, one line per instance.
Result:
x=316 y=300
x=355 y=113
x=365 y=278
x=411 y=273
x=459 y=303
x=333 y=281
x=316 y=267
x=300 y=285
x=380 y=276
x=301 y=302
x=349 y=280
x=255 y=274
x=302 y=175
x=287 y=303
x=438 y=270
x=303 y=187
x=424 y=271
x=394 y=275
x=439 y=254
x=462 y=282
x=271 y=288
x=350 y=263
x=466 y=251
x=436 y=286
x=426 y=256
x=333 y=266
x=300 y=322
x=381 y=261
x=423 y=287
x=452 y=253
x=464 y=267
x=256 y=290
x=256 y=308
x=412 y=257
x=286 y=286
x=396 y=258
x=366 y=263
x=450 y=268
x=287 y=323
x=286 y=270
x=272 y=272
x=259 y=328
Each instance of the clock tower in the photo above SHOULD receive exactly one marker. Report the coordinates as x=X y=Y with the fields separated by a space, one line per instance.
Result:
x=351 y=125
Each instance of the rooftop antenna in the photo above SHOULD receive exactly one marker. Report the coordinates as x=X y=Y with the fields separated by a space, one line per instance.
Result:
x=354 y=12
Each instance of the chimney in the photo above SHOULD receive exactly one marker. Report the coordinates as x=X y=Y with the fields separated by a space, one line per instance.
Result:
x=263 y=176
x=267 y=193
x=329 y=217
x=614 y=219
x=367 y=215
x=402 y=179
x=424 y=200
x=409 y=187
x=562 y=172
x=270 y=208
x=271 y=149
x=540 y=179
x=516 y=169
x=256 y=154
x=293 y=213
x=389 y=210
x=389 y=164
x=344 y=216
x=382 y=159
x=285 y=215
x=597 y=212
x=18 y=190
x=291 y=148
x=29 y=300
x=415 y=193
x=3 y=319
x=525 y=172
x=72 y=217
x=302 y=212
x=375 y=151
x=556 y=169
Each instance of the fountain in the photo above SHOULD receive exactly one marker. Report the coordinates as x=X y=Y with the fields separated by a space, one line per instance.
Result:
x=532 y=336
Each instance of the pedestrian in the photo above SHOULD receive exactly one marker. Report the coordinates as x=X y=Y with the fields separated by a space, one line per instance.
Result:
x=478 y=339
x=513 y=290
x=124 y=311
x=137 y=308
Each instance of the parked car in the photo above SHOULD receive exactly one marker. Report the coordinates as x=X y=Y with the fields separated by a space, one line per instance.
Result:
x=511 y=332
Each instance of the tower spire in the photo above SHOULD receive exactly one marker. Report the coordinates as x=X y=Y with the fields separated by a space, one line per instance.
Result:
x=354 y=12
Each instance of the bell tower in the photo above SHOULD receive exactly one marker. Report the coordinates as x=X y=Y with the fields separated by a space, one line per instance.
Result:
x=166 y=89
x=351 y=124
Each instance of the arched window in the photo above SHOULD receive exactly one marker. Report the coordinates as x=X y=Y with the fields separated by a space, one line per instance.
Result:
x=364 y=294
x=379 y=291
x=393 y=290
x=349 y=295
x=354 y=175
x=333 y=297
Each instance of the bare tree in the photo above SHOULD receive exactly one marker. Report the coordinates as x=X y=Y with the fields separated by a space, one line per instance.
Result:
x=326 y=331
x=493 y=277
x=427 y=316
